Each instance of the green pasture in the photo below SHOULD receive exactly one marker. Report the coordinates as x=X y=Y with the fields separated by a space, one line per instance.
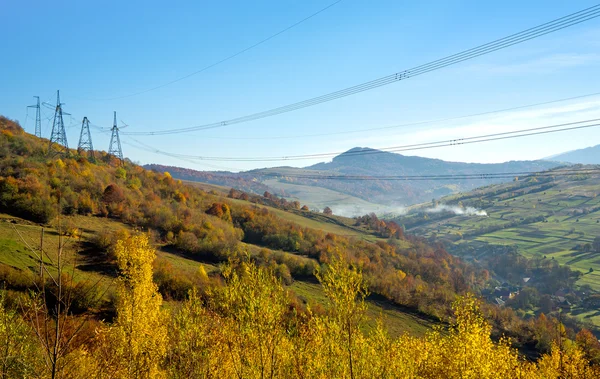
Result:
x=394 y=320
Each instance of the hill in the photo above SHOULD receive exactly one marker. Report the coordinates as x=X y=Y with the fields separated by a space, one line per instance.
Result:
x=550 y=221
x=371 y=162
x=92 y=203
x=356 y=197
x=588 y=155
x=231 y=262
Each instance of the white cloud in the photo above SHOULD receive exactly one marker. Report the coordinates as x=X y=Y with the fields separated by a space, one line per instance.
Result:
x=505 y=122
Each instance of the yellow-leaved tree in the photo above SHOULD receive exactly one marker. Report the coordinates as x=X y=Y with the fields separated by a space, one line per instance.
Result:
x=334 y=345
x=467 y=350
x=255 y=303
x=19 y=357
x=138 y=337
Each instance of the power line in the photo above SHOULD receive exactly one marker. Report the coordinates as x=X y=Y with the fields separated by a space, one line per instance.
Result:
x=227 y=58
x=421 y=146
x=85 y=140
x=502 y=43
x=475 y=176
x=38 y=117
x=434 y=121
x=58 y=138
x=115 y=142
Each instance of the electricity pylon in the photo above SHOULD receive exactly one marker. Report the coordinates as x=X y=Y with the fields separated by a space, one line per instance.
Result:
x=115 y=142
x=38 y=118
x=85 y=140
x=58 y=138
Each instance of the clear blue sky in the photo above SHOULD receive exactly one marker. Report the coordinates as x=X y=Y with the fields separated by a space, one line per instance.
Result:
x=97 y=50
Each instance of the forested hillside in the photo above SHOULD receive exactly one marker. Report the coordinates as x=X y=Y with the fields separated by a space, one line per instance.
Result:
x=90 y=302
x=213 y=228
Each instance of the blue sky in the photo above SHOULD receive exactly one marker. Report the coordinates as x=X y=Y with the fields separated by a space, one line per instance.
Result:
x=97 y=53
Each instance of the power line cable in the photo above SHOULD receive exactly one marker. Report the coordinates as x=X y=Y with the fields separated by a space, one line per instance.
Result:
x=224 y=168
x=416 y=123
x=421 y=146
x=502 y=43
x=474 y=176
x=227 y=58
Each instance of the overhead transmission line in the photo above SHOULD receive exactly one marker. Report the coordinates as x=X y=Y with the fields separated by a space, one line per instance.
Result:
x=562 y=172
x=226 y=58
x=474 y=176
x=421 y=146
x=502 y=43
x=433 y=121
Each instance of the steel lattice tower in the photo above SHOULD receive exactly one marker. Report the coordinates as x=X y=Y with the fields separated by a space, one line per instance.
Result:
x=38 y=118
x=58 y=138
x=115 y=142
x=85 y=140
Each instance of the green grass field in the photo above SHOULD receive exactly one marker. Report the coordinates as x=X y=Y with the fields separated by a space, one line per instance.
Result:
x=394 y=320
x=569 y=212
x=20 y=241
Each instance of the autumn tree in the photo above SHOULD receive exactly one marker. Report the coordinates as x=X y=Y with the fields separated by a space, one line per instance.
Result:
x=338 y=334
x=139 y=335
x=256 y=304
x=197 y=347
x=589 y=344
x=18 y=350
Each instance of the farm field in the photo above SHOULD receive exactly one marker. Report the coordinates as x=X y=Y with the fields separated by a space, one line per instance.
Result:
x=553 y=218
x=541 y=219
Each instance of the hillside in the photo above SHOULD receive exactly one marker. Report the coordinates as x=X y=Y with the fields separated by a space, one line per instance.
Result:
x=240 y=266
x=371 y=162
x=92 y=202
x=223 y=178
x=356 y=197
x=588 y=155
x=549 y=220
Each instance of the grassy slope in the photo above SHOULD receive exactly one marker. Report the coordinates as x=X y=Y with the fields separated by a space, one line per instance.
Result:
x=16 y=234
x=337 y=225
x=554 y=239
x=395 y=320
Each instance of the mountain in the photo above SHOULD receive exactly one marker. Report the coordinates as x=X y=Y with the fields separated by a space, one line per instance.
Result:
x=371 y=162
x=224 y=178
x=588 y=155
x=355 y=197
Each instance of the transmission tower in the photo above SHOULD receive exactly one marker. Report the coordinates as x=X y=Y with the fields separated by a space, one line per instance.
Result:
x=85 y=140
x=58 y=138
x=115 y=142
x=38 y=118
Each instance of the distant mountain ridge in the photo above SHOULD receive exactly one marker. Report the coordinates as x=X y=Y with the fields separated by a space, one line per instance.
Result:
x=364 y=161
x=224 y=178
x=588 y=155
